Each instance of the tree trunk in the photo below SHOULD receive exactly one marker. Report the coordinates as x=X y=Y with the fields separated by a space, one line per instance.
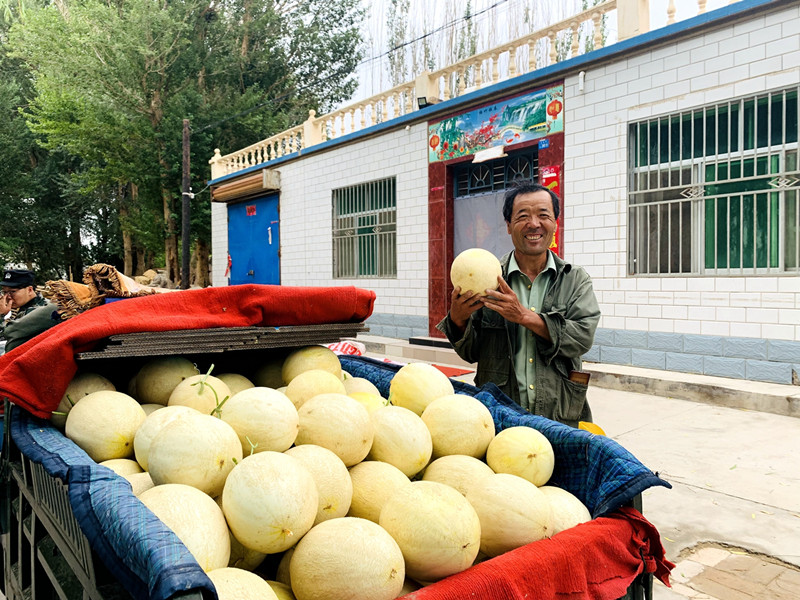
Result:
x=141 y=262
x=171 y=238
x=201 y=274
x=75 y=264
x=127 y=240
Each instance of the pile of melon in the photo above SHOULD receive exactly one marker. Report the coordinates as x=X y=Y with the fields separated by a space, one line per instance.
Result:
x=301 y=481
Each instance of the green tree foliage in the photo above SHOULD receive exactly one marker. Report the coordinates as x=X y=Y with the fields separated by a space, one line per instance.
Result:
x=39 y=217
x=112 y=81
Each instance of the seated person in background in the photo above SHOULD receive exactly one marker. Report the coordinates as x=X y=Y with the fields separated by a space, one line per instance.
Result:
x=24 y=312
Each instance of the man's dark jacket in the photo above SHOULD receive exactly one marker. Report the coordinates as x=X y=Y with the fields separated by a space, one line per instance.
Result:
x=34 y=317
x=571 y=314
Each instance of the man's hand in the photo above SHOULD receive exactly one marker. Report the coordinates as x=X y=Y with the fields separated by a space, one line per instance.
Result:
x=462 y=306
x=504 y=301
x=5 y=304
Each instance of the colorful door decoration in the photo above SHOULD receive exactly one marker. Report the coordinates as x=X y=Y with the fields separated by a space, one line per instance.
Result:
x=511 y=121
x=550 y=178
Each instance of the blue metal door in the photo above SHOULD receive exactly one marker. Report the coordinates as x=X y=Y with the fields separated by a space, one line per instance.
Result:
x=254 y=241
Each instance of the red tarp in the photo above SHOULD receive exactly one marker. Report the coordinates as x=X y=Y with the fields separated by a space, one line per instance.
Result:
x=597 y=560
x=36 y=374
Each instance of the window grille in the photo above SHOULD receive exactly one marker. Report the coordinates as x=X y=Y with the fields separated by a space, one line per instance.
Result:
x=364 y=230
x=714 y=190
x=495 y=175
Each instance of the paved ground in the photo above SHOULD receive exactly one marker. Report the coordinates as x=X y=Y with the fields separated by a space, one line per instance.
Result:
x=732 y=520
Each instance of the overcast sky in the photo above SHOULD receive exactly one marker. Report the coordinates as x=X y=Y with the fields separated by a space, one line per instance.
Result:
x=495 y=20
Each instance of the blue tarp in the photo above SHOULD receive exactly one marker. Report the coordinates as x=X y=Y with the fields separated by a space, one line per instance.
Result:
x=147 y=558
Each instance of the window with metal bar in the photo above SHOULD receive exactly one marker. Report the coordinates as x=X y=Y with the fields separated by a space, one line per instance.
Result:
x=495 y=175
x=364 y=230
x=714 y=190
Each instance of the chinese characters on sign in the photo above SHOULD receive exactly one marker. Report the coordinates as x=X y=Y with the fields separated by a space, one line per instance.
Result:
x=550 y=178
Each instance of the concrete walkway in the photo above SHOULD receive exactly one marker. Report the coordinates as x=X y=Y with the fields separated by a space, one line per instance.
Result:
x=731 y=521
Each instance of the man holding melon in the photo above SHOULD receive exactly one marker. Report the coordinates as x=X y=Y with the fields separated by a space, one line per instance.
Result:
x=528 y=329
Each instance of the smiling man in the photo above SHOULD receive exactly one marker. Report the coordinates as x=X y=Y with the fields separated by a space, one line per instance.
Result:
x=528 y=336
x=23 y=312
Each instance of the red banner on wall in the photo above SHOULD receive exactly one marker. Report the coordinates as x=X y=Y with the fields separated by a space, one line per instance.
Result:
x=550 y=177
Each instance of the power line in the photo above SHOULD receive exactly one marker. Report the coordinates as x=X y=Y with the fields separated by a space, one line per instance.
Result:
x=369 y=60
x=437 y=30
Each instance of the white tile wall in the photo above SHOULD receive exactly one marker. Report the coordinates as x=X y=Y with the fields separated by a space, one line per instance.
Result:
x=305 y=212
x=760 y=53
x=756 y=54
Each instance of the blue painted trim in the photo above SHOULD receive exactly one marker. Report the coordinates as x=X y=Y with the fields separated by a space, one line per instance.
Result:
x=552 y=72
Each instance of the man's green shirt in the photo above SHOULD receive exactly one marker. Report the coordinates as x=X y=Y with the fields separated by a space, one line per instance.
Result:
x=531 y=295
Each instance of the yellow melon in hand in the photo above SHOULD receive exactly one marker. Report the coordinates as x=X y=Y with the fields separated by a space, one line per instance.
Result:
x=475 y=270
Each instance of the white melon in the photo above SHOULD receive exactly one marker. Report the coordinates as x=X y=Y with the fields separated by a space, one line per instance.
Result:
x=334 y=486
x=140 y=482
x=475 y=270
x=513 y=512
x=568 y=510
x=81 y=385
x=270 y=501
x=204 y=393
x=150 y=427
x=122 y=466
x=409 y=585
x=458 y=471
x=196 y=520
x=522 y=451
x=104 y=423
x=360 y=384
x=235 y=382
x=130 y=389
x=243 y=557
x=197 y=450
x=347 y=558
x=158 y=377
x=269 y=374
x=401 y=439
x=310 y=357
x=310 y=383
x=371 y=402
x=374 y=482
x=338 y=423
x=263 y=418
x=282 y=573
x=282 y=591
x=416 y=385
x=238 y=584
x=151 y=408
x=436 y=528
x=459 y=424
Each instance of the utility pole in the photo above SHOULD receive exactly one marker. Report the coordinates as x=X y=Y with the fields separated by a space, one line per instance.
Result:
x=186 y=197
